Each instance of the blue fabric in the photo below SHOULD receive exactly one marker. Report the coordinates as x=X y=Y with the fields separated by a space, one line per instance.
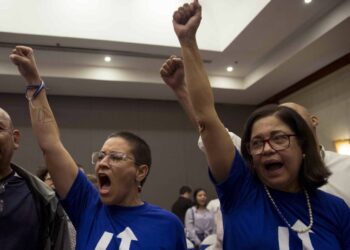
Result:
x=151 y=226
x=19 y=220
x=251 y=221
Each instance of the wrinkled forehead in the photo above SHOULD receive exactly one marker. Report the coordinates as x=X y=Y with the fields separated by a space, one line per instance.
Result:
x=117 y=144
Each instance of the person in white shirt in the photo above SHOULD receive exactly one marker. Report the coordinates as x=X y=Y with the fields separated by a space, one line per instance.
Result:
x=173 y=75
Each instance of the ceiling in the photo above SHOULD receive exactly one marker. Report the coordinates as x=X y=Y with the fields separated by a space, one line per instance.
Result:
x=271 y=44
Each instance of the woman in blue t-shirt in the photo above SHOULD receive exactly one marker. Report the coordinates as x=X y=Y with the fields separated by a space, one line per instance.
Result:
x=113 y=215
x=269 y=197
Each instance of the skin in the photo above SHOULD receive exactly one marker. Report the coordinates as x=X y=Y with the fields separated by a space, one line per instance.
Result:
x=311 y=120
x=219 y=147
x=9 y=142
x=125 y=176
x=201 y=198
x=62 y=167
x=286 y=177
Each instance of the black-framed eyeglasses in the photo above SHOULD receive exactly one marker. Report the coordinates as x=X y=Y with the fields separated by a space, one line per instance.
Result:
x=113 y=157
x=277 y=142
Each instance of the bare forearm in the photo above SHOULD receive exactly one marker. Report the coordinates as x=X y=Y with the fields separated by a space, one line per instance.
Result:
x=43 y=122
x=185 y=102
x=197 y=81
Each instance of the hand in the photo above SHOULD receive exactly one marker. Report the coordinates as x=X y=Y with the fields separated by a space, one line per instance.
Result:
x=186 y=21
x=23 y=58
x=172 y=72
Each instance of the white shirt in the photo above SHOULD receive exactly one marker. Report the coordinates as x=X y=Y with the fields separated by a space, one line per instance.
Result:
x=339 y=182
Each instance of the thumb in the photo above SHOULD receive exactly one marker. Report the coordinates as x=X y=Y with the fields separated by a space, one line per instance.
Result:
x=17 y=60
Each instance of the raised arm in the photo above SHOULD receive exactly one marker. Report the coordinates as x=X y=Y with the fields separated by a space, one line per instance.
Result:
x=61 y=166
x=219 y=147
x=172 y=73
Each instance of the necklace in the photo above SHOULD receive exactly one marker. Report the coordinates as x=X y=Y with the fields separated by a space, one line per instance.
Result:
x=308 y=228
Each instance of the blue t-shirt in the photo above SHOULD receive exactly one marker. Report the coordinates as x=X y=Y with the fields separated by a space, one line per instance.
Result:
x=252 y=222
x=114 y=227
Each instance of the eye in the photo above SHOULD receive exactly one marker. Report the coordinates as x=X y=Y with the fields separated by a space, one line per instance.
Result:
x=256 y=143
x=100 y=156
x=279 y=139
x=116 y=156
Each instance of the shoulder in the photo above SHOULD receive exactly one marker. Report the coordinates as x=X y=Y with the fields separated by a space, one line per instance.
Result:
x=160 y=212
x=331 y=202
x=35 y=184
x=331 y=159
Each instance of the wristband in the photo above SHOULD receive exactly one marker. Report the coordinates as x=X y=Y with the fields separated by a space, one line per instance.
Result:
x=38 y=88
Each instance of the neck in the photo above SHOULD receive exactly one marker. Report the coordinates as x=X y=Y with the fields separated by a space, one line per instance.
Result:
x=5 y=172
x=200 y=207
x=292 y=188
x=131 y=201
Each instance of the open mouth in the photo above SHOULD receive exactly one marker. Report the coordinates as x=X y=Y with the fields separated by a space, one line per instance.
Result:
x=104 y=182
x=273 y=166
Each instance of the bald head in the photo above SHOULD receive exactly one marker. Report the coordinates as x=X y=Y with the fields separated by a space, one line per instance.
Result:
x=310 y=119
x=5 y=118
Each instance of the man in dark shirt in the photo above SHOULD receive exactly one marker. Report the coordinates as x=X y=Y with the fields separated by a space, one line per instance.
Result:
x=29 y=215
x=183 y=203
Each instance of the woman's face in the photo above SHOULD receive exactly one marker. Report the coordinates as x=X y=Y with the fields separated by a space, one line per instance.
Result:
x=277 y=169
x=116 y=179
x=201 y=198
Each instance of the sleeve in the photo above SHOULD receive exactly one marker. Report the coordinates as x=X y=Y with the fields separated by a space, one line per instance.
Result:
x=212 y=224
x=345 y=232
x=81 y=196
x=237 y=186
x=190 y=226
x=235 y=139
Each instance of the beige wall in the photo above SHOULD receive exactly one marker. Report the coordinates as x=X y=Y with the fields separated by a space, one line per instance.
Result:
x=85 y=123
x=329 y=99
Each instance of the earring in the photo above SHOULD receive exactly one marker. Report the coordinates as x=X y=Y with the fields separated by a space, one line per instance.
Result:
x=139 y=188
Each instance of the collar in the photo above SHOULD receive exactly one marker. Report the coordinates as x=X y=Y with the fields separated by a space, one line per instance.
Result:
x=322 y=152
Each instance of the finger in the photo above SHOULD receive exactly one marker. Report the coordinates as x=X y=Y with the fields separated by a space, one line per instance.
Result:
x=24 y=50
x=163 y=72
x=16 y=59
x=19 y=51
x=197 y=7
x=187 y=11
x=177 y=17
x=178 y=62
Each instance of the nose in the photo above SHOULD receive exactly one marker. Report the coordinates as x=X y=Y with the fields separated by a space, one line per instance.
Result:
x=267 y=148
x=104 y=161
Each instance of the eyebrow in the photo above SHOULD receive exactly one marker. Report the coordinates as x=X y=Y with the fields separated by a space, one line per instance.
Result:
x=272 y=133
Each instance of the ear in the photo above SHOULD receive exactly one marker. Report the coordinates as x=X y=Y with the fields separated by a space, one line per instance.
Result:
x=314 y=121
x=142 y=172
x=16 y=138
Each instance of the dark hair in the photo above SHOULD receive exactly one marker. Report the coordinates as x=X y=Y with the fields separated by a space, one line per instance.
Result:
x=195 y=202
x=140 y=149
x=185 y=189
x=313 y=172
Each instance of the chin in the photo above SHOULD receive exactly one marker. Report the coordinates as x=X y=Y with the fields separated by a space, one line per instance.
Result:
x=106 y=200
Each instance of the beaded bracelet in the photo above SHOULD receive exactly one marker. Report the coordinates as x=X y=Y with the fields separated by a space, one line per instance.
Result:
x=38 y=88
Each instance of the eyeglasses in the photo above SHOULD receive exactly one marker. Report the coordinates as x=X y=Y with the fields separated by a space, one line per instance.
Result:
x=277 y=142
x=113 y=157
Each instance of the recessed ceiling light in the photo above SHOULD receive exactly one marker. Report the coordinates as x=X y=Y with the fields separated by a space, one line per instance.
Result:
x=229 y=68
x=108 y=59
x=307 y=1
